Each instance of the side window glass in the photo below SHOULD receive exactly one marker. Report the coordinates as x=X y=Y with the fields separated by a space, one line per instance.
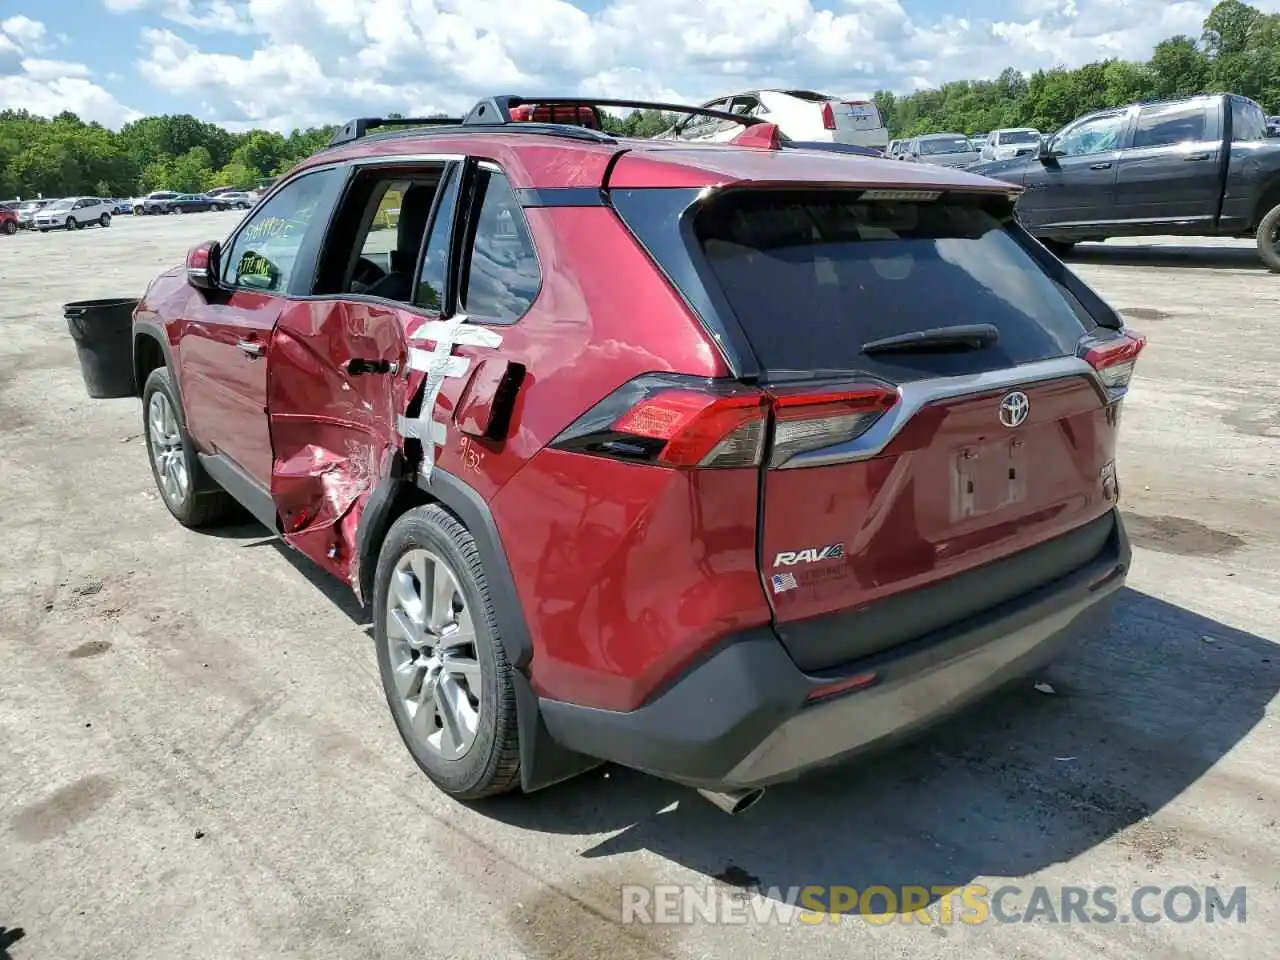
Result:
x=1165 y=126
x=262 y=255
x=502 y=275
x=1247 y=121
x=435 y=262
x=1092 y=136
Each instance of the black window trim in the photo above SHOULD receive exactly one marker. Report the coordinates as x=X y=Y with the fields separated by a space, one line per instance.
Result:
x=464 y=239
x=452 y=171
x=407 y=172
x=351 y=169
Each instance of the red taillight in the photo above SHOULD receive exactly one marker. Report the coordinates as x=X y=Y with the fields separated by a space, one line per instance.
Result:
x=814 y=421
x=675 y=421
x=700 y=430
x=555 y=113
x=828 y=116
x=1114 y=359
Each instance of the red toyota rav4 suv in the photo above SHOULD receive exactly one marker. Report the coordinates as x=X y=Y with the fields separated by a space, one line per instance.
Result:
x=718 y=461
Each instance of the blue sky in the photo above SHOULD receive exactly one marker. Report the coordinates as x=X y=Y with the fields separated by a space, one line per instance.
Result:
x=284 y=63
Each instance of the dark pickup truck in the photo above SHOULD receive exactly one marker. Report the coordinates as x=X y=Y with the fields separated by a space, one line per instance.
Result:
x=1198 y=167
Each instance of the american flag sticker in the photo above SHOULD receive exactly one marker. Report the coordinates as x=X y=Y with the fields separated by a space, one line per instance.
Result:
x=783 y=582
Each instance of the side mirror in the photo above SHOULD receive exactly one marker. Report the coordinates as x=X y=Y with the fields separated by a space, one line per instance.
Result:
x=202 y=265
x=1048 y=151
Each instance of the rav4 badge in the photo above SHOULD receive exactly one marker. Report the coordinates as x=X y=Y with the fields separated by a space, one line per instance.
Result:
x=789 y=558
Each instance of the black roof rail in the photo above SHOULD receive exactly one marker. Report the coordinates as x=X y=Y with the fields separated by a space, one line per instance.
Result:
x=496 y=111
x=360 y=126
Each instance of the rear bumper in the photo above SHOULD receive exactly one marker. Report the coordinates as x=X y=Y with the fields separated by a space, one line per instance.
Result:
x=745 y=718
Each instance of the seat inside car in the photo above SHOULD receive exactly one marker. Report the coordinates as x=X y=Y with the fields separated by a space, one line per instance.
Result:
x=415 y=210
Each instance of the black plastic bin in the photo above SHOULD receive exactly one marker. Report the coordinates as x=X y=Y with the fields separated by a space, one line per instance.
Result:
x=103 y=333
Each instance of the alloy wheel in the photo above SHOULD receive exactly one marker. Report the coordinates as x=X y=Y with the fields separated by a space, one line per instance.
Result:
x=164 y=435
x=431 y=642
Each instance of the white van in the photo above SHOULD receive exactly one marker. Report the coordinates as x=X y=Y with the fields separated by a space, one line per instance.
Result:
x=800 y=114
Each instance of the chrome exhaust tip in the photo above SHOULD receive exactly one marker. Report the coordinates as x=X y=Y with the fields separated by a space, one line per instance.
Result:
x=734 y=802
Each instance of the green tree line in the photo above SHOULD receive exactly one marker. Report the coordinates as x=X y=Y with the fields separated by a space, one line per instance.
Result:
x=1238 y=51
x=64 y=156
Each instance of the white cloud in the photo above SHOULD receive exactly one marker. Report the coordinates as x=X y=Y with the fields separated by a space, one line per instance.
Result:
x=224 y=15
x=44 y=71
x=321 y=61
x=47 y=86
x=24 y=31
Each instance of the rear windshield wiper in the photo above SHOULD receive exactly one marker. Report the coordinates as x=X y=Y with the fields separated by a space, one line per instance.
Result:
x=962 y=336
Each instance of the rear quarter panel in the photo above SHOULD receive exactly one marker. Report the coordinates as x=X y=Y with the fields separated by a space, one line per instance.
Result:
x=613 y=579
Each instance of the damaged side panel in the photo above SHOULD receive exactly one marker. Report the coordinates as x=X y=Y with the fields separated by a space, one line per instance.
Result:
x=350 y=386
x=333 y=400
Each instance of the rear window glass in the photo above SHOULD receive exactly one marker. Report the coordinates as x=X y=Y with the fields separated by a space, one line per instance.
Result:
x=813 y=275
x=865 y=116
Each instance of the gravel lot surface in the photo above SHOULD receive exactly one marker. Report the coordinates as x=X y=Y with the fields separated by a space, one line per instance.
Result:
x=196 y=760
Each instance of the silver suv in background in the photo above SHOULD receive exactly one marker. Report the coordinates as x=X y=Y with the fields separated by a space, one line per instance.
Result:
x=943 y=149
x=1011 y=142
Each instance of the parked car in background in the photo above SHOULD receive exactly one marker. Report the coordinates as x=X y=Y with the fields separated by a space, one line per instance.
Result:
x=717 y=554
x=193 y=203
x=943 y=149
x=1273 y=126
x=121 y=207
x=155 y=202
x=1009 y=143
x=8 y=221
x=73 y=213
x=1200 y=167
x=233 y=200
x=27 y=212
x=802 y=115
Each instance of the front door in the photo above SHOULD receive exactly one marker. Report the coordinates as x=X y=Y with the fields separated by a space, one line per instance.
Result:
x=338 y=376
x=224 y=376
x=1077 y=185
x=227 y=332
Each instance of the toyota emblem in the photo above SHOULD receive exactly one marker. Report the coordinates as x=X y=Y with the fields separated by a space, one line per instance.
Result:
x=1014 y=408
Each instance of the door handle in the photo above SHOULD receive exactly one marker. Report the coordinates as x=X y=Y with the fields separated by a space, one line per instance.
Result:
x=1196 y=156
x=251 y=348
x=1100 y=166
x=359 y=366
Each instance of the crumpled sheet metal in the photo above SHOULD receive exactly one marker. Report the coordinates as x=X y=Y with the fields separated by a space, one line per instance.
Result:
x=440 y=364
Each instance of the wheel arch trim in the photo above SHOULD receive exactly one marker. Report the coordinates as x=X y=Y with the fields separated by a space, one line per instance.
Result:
x=153 y=331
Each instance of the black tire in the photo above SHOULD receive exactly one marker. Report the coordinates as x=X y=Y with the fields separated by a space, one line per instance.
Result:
x=72 y=223
x=206 y=504
x=178 y=210
x=10 y=228
x=1269 y=239
x=104 y=220
x=491 y=765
